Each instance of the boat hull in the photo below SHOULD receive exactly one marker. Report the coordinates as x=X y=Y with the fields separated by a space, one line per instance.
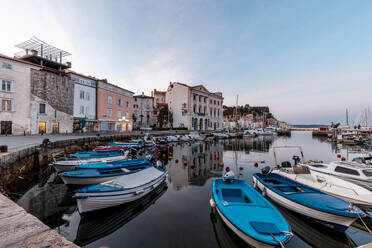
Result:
x=69 y=165
x=86 y=180
x=95 y=201
x=337 y=221
x=242 y=235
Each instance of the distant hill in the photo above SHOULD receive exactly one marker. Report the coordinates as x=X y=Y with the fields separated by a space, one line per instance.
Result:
x=310 y=126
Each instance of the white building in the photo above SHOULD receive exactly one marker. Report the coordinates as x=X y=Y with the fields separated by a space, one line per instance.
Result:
x=194 y=107
x=143 y=111
x=15 y=95
x=85 y=102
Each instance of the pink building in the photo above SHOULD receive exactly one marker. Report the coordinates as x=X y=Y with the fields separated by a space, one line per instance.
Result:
x=114 y=107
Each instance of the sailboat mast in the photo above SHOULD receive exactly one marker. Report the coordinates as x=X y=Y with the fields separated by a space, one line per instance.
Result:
x=347 y=117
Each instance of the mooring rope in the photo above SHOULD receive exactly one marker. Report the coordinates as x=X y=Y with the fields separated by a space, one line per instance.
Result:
x=364 y=223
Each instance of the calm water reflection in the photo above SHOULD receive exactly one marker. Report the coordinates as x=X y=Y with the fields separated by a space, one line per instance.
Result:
x=178 y=214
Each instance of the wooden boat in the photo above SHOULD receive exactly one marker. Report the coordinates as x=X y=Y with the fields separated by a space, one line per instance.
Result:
x=123 y=189
x=248 y=214
x=307 y=201
x=96 y=176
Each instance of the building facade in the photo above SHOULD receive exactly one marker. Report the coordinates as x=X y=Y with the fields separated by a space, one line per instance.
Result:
x=85 y=102
x=194 y=107
x=52 y=101
x=114 y=108
x=144 y=114
x=160 y=97
x=15 y=95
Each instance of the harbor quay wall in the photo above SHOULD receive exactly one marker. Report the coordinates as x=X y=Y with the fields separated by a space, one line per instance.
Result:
x=20 y=168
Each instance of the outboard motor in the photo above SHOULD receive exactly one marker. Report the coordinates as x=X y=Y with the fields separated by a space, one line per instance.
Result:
x=266 y=170
x=228 y=177
x=296 y=159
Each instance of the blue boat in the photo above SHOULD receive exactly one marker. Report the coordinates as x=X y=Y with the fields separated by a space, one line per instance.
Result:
x=96 y=154
x=129 y=145
x=113 y=164
x=122 y=189
x=96 y=176
x=307 y=201
x=253 y=218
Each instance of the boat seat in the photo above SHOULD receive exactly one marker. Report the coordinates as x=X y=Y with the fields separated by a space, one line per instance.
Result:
x=265 y=227
x=234 y=196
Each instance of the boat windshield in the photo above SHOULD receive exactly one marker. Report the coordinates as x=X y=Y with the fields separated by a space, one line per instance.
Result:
x=368 y=172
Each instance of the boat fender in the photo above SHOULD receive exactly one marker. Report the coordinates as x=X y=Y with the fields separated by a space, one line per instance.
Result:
x=212 y=203
x=255 y=184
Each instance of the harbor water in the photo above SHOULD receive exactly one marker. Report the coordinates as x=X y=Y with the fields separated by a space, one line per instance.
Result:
x=177 y=213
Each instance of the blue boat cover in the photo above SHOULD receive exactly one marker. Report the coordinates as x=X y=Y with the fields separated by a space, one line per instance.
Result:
x=104 y=172
x=113 y=164
x=265 y=227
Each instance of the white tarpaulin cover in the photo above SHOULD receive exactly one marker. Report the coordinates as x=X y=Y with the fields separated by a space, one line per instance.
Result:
x=136 y=179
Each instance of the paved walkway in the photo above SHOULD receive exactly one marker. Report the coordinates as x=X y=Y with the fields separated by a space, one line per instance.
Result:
x=21 y=229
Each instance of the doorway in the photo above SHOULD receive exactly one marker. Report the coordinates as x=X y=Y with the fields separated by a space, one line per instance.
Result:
x=55 y=127
x=42 y=127
x=6 y=127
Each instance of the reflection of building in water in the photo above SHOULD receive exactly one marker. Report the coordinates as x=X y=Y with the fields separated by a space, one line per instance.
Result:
x=202 y=155
x=259 y=144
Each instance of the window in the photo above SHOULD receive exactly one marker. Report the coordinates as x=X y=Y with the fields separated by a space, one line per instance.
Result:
x=194 y=97
x=81 y=111
x=210 y=101
x=119 y=102
x=346 y=171
x=86 y=110
x=109 y=112
x=42 y=108
x=81 y=94
x=127 y=115
x=214 y=102
x=119 y=114
x=6 y=105
x=127 y=104
x=109 y=100
x=194 y=108
x=199 y=98
x=87 y=96
x=367 y=172
x=6 y=85
x=205 y=99
x=7 y=66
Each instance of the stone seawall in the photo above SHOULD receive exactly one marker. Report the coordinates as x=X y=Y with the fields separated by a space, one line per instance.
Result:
x=19 y=169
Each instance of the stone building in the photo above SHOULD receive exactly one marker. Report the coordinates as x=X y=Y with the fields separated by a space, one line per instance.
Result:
x=85 y=103
x=52 y=91
x=144 y=114
x=160 y=97
x=194 y=107
x=15 y=95
x=114 y=107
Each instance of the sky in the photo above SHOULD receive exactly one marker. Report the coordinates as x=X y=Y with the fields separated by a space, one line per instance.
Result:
x=307 y=60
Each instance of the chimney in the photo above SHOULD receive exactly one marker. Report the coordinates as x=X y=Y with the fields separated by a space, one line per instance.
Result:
x=152 y=93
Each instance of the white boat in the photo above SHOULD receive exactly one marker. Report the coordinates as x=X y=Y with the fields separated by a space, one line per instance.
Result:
x=249 y=133
x=338 y=187
x=184 y=138
x=121 y=190
x=172 y=138
x=196 y=136
x=352 y=171
x=327 y=183
x=67 y=165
